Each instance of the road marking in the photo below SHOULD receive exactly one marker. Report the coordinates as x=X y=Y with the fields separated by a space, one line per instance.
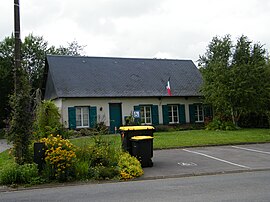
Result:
x=212 y=157
x=253 y=150
x=187 y=164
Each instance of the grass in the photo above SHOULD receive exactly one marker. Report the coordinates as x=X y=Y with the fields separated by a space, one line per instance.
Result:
x=207 y=138
x=166 y=140
x=5 y=159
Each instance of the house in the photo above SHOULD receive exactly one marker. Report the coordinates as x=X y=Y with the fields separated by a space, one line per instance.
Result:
x=90 y=90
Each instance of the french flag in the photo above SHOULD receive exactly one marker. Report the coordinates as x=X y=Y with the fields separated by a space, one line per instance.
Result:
x=168 y=87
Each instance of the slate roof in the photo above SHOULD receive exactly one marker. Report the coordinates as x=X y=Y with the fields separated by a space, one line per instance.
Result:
x=73 y=76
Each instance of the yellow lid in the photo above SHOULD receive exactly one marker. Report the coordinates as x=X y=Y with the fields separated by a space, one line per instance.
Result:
x=126 y=128
x=141 y=137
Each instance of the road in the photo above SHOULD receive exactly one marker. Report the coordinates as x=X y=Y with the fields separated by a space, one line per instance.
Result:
x=246 y=186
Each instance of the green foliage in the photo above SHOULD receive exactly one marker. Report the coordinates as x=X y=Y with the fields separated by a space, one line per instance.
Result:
x=101 y=158
x=6 y=77
x=19 y=174
x=33 y=49
x=47 y=120
x=21 y=117
x=235 y=78
x=82 y=170
x=129 y=167
x=217 y=124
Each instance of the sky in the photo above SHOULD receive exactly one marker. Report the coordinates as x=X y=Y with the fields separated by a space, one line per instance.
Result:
x=172 y=29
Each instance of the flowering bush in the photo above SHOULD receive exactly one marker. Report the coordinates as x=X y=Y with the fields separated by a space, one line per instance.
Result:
x=129 y=166
x=60 y=156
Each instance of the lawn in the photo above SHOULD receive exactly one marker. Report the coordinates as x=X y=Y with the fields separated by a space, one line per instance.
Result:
x=206 y=138
x=190 y=138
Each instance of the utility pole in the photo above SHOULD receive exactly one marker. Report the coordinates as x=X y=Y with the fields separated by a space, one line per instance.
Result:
x=17 y=33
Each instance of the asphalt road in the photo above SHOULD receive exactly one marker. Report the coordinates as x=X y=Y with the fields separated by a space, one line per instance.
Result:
x=247 y=186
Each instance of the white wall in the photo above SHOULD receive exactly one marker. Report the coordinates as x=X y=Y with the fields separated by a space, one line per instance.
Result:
x=127 y=106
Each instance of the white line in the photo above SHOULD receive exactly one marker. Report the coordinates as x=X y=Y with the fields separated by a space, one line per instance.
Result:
x=253 y=150
x=212 y=157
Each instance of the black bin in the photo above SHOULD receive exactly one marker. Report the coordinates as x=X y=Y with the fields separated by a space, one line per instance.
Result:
x=39 y=155
x=142 y=149
x=127 y=132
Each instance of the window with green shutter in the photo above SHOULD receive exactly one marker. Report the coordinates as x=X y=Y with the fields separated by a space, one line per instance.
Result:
x=82 y=117
x=173 y=114
x=196 y=113
x=146 y=115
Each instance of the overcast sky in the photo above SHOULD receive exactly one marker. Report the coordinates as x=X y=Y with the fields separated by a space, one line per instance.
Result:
x=173 y=29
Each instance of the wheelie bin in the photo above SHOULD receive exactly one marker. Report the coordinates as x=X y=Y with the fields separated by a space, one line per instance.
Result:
x=127 y=132
x=142 y=149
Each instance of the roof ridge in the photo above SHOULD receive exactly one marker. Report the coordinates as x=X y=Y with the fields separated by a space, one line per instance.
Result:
x=121 y=58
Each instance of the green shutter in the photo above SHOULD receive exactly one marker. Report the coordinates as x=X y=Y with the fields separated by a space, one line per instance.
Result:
x=137 y=120
x=92 y=116
x=72 y=117
x=207 y=111
x=192 y=113
x=155 y=117
x=182 y=114
x=165 y=114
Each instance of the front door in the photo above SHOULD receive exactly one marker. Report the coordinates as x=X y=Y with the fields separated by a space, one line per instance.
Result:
x=115 y=116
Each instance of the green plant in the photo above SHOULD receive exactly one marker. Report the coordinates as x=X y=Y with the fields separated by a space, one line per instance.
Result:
x=19 y=174
x=47 y=120
x=82 y=170
x=60 y=157
x=217 y=124
x=101 y=157
x=129 y=167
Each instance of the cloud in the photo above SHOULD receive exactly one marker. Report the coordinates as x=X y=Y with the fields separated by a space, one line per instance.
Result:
x=139 y=28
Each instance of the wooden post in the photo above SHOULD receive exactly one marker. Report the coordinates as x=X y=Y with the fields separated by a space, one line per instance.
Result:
x=17 y=33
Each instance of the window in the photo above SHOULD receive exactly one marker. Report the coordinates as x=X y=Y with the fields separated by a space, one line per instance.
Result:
x=199 y=113
x=146 y=117
x=173 y=114
x=82 y=117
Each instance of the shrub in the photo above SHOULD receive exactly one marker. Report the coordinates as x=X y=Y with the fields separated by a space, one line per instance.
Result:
x=217 y=124
x=101 y=158
x=129 y=167
x=47 y=120
x=60 y=157
x=19 y=174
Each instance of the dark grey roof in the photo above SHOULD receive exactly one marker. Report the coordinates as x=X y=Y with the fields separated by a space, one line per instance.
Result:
x=69 y=76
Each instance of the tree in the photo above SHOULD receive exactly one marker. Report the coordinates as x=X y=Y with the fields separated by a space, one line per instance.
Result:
x=236 y=80
x=6 y=77
x=34 y=50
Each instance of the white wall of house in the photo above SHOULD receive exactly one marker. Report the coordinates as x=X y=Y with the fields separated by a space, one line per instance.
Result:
x=102 y=105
